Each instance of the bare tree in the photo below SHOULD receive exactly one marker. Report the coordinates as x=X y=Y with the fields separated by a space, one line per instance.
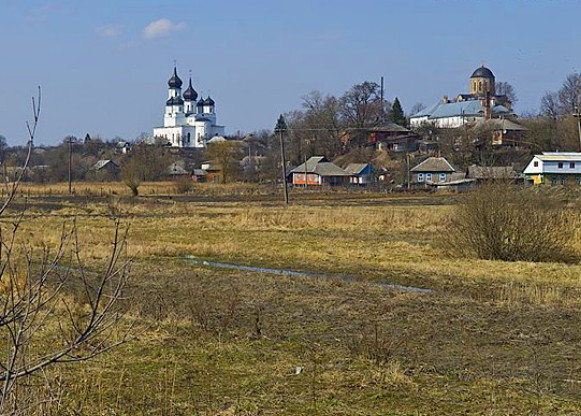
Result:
x=361 y=108
x=570 y=93
x=42 y=323
x=550 y=105
x=416 y=108
x=227 y=155
x=132 y=173
x=504 y=88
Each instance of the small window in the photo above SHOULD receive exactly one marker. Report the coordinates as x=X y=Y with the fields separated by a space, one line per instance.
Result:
x=428 y=176
x=420 y=177
x=560 y=165
x=536 y=164
x=571 y=165
x=442 y=177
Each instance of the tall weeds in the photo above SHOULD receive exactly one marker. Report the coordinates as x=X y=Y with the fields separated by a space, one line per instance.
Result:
x=503 y=222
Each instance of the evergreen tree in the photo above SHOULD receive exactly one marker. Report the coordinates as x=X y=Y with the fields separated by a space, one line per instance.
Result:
x=396 y=114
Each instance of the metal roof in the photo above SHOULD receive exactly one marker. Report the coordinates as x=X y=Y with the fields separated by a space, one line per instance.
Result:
x=460 y=108
x=356 y=168
x=320 y=165
x=504 y=124
x=434 y=164
x=390 y=127
x=482 y=72
x=559 y=156
x=102 y=163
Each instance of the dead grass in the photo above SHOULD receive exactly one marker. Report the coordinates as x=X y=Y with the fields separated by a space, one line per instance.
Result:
x=494 y=338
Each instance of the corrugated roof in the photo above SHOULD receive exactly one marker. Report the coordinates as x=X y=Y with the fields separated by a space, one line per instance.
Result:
x=311 y=165
x=560 y=156
x=504 y=124
x=320 y=165
x=355 y=168
x=459 y=108
x=434 y=164
x=428 y=111
x=102 y=163
x=391 y=128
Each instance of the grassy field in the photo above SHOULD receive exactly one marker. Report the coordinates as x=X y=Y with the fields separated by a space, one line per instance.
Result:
x=493 y=338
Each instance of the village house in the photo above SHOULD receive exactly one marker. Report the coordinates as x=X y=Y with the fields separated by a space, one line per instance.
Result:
x=106 y=165
x=393 y=138
x=361 y=173
x=504 y=132
x=104 y=170
x=212 y=172
x=433 y=170
x=554 y=168
x=318 y=171
x=177 y=170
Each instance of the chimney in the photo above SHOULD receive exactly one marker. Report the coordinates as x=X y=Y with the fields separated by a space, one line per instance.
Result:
x=445 y=99
x=486 y=104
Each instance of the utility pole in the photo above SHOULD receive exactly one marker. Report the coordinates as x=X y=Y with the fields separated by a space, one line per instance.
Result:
x=408 y=179
x=577 y=115
x=70 y=165
x=281 y=129
x=382 y=103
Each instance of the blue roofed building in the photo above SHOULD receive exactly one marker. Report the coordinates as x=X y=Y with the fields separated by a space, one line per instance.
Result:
x=481 y=104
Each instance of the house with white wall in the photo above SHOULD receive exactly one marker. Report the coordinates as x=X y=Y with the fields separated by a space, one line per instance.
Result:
x=554 y=168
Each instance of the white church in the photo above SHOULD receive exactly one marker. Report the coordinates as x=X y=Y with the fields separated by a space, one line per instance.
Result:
x=187 y=122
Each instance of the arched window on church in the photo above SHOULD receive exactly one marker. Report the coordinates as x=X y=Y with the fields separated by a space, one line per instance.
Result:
x=480 y=86
x=189 y=135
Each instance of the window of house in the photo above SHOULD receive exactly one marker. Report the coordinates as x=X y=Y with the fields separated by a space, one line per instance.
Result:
x=428 y=176
x=420 y=177
x=571 y=165
x=560 y=165
x=536 y=164
x=442 y=177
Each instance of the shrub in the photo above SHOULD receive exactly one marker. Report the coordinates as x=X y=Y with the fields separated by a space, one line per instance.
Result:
x=503 y=222
x=184 y=185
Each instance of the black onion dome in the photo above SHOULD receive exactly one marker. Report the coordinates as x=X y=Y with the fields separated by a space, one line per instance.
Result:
x=170 y=101
x=175 y=81
x=178 y=101
x=209 y=101
x=483 y=72
x=200 y=103
x=190 y=94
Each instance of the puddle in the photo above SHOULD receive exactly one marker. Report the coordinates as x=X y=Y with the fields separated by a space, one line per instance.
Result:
x=293 y=273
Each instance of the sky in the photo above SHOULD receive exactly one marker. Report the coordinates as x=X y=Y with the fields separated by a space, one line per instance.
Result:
x=103 y=65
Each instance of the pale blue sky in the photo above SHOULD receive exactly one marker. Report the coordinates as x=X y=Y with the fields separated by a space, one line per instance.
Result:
x=102 y=72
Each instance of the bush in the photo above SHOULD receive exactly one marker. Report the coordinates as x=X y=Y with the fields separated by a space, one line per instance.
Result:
x=503 y=222
x=184 y=185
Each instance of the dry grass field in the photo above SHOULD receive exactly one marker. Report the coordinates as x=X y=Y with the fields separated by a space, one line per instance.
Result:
x=493 y=338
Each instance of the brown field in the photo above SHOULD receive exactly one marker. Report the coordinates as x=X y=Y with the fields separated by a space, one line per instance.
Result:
x=493 y=338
